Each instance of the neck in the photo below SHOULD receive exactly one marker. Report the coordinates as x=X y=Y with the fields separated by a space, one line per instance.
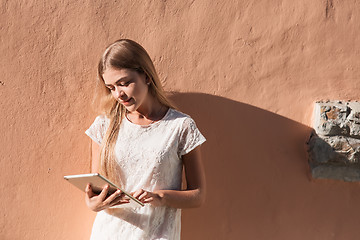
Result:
x=149 y=111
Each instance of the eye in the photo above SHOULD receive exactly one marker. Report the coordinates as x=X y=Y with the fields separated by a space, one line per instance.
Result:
x=110 y=88
x=125 y=84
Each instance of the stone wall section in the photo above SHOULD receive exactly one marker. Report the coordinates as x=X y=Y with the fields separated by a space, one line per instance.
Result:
x=334 y=146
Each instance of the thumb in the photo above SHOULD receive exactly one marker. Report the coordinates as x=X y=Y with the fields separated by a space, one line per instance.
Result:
x=88 y=191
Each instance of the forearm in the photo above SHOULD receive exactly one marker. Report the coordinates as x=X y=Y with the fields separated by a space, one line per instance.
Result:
x=192 y=197
x=181 y=199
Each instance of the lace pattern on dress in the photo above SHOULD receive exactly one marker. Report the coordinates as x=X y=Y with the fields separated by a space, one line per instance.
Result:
x=190 y=137
x=149 y=158
x=98 y=129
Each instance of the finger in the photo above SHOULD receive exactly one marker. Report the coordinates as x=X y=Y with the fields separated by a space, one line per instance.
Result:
x=88 y=191
x=104 y=192
x=122 y=201
x=150 y=199
x=143 y=195
x=119 y=202
x=137 y=193
x=112 y=197
x=125 y=198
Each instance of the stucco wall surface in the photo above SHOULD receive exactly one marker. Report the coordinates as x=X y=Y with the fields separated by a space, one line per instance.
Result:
x=247 y=71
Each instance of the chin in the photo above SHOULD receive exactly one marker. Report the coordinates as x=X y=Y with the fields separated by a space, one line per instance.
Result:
x=130 y=108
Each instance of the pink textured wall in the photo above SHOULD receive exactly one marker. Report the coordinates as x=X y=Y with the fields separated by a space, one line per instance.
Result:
x=247 y=71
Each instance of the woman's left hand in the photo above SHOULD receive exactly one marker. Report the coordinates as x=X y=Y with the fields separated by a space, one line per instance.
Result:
x=144 y=196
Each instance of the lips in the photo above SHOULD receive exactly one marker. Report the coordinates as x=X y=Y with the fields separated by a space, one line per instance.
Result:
x=127 y=101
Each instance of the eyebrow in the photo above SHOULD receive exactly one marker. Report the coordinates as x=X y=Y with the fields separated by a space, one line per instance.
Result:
x=119 y=80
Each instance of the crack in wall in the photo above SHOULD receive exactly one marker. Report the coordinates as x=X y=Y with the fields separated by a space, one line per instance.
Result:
x=329 y=9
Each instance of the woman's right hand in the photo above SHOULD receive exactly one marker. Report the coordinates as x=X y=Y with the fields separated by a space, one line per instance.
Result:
x=100 y=202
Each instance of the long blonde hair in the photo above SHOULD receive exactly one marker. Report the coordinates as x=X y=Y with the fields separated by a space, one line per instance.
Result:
x=122 y=54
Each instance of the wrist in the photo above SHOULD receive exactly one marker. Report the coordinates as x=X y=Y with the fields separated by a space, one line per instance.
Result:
x=161 y=197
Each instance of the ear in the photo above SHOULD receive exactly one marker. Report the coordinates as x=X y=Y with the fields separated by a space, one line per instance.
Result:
x=147 y=80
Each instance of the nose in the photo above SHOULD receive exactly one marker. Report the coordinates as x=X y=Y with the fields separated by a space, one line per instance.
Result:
x=119 y=93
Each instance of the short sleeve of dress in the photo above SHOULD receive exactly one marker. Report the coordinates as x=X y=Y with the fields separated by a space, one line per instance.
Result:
x=98 y=129
x=190 y=137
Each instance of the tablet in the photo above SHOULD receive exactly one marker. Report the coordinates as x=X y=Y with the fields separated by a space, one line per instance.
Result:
x=97 y=182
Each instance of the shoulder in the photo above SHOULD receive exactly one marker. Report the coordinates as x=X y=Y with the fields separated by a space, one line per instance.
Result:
x=101 y=121
x=178 y=115
x=102 y=118
x=182 y=119
x=98 y=128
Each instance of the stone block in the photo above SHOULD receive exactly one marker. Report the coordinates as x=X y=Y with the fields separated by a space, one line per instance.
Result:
x=344 y=173
x=334 y=147
x=332 y=118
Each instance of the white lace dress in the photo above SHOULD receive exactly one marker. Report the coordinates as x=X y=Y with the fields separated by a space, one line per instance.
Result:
x=149 y=158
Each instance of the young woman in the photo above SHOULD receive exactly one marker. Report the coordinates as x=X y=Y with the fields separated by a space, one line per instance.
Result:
x=141 y=142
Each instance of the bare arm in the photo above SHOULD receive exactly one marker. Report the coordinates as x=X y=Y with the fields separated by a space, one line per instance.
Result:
x=193 y=196
x=95 y=157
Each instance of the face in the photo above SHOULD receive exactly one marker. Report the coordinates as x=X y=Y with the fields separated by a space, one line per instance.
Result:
x=127 y=86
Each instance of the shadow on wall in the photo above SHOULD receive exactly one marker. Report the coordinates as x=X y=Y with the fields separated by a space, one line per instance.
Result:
x=255 y=164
